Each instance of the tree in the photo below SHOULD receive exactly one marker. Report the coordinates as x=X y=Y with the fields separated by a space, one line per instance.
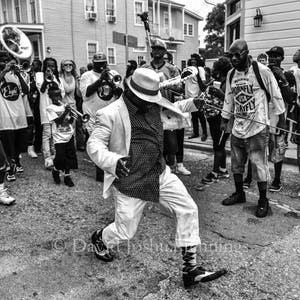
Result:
x=215 y=24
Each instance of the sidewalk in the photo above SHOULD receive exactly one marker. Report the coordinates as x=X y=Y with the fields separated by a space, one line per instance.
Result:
x=290 y=154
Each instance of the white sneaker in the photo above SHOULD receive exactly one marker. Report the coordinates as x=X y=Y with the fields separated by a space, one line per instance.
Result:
x=31 y=152
x=5 y=198
x=48 y=163
x=182 y=170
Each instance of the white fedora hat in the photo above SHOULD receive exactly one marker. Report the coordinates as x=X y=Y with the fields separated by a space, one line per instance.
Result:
x=144 y=83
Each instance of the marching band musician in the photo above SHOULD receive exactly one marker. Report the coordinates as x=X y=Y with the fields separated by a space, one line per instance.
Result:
x=62 y=126
x=48 y=77
x=166 y=71
x=94 y=94
x=13 y=121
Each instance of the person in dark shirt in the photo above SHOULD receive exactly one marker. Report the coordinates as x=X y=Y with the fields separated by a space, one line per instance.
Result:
x=127 y=143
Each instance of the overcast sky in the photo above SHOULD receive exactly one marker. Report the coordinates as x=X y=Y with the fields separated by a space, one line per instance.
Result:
x=202 y=9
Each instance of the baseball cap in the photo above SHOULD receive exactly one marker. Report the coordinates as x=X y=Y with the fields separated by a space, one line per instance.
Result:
x=99 y=57
x=276 y=49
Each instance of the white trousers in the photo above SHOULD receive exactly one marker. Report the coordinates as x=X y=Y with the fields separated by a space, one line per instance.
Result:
x=173 y=196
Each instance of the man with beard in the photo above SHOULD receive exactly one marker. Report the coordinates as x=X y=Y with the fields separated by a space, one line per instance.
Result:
x=128 y=144
x=247 y=99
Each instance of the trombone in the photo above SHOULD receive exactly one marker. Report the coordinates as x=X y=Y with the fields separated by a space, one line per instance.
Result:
x=75 y=113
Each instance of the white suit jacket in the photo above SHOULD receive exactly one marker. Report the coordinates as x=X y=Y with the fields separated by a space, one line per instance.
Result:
x=110 y=140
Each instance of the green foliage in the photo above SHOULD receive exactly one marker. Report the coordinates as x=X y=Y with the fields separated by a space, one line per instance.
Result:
x=215 y=25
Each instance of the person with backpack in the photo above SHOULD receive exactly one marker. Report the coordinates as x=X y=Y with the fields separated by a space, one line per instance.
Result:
x=246 y=99
x=277 y=138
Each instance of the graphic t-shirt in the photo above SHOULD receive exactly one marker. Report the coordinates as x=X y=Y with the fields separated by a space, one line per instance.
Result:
x=245 y=98
x=12 y=110
x=93 y=103
x=63 y=132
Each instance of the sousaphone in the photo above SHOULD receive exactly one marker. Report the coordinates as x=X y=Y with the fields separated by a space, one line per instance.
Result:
x=15 y=41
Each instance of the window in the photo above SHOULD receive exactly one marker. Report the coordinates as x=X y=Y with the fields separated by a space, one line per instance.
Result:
x=140 y=58
x=234 y=7
x=234 y=31
x=191 y=30
x=33 y=10
x=92 y=48
x=138 y=9
x=166 y=20
x=90 y=6
x=188 y=29
x=4 y=11
x=111 y=55
x=110 y=8
x=18 y=10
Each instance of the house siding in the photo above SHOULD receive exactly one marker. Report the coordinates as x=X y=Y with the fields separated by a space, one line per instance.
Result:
x=191 y=43
x=63 y=29
x=280 y=27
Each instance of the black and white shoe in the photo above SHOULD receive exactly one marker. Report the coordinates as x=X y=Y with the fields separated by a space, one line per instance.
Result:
x=275 y=187
x=100 y=249
x=199 y=274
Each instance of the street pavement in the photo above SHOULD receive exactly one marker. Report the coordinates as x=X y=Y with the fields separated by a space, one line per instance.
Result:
x=45 y=249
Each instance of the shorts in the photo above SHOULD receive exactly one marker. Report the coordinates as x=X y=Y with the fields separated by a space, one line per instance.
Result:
x=256 y=148
x=65 y=156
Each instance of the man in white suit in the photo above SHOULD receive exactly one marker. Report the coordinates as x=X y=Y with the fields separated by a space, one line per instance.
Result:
x=127 y=143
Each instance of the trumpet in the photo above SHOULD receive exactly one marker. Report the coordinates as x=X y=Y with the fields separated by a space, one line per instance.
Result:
x=49 y=75
x=75 y=114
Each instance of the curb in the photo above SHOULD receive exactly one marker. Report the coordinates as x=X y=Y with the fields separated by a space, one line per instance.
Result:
x=208 y=148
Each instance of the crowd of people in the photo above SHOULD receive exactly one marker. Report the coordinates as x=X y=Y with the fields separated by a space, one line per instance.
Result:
x=133 y=130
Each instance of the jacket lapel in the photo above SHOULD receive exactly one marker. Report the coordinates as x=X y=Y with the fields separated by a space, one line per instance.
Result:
x=123 y=111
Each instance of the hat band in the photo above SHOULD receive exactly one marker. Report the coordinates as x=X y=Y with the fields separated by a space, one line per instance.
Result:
x=143 y=90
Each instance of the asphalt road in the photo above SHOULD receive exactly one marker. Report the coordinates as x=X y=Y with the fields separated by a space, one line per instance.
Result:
x=45 y=250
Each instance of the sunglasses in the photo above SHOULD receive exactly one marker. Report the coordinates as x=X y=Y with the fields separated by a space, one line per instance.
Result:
x=68 y=65
x=236 y=54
